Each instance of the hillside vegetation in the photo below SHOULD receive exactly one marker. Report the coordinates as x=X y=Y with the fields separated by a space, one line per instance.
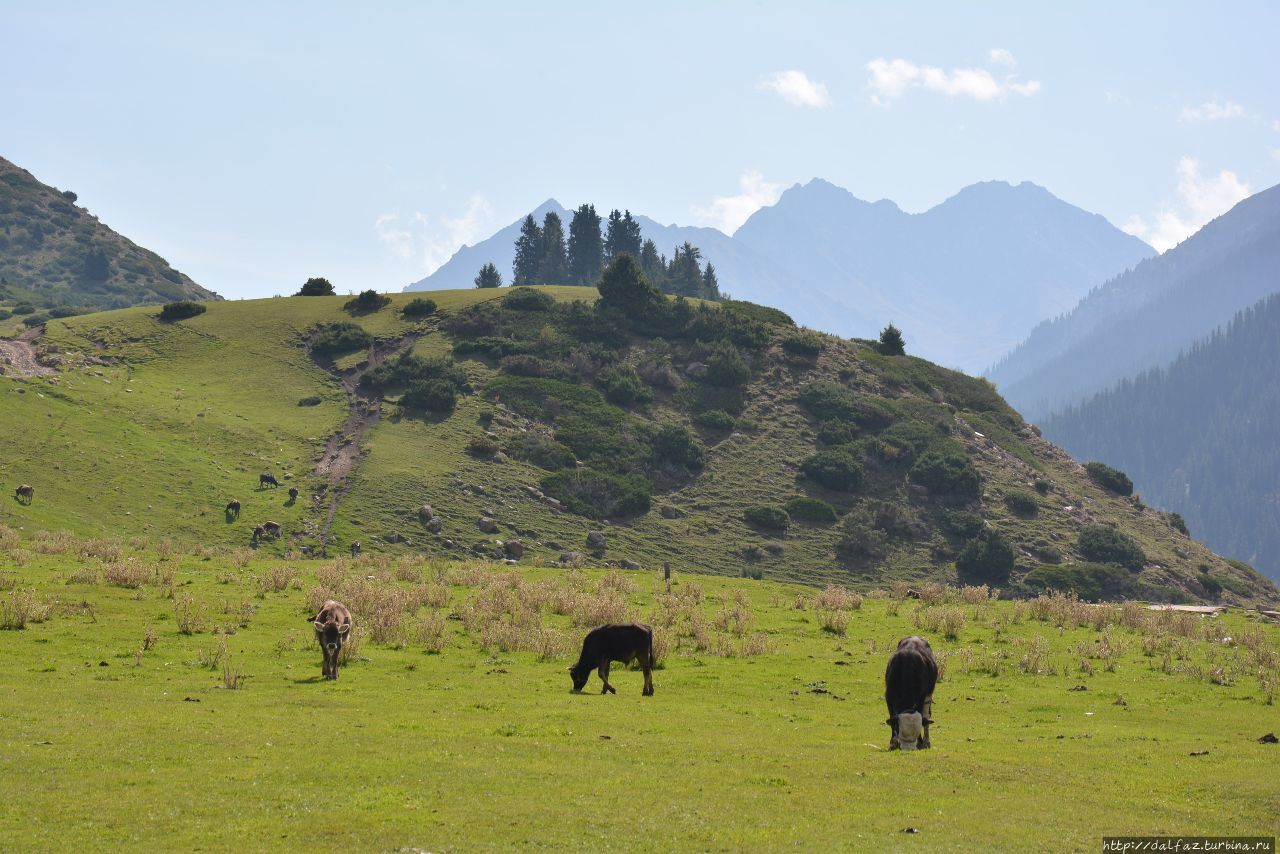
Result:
x=57 y=256
x=1199 y=436
x=1054 y=722
x=537 y=425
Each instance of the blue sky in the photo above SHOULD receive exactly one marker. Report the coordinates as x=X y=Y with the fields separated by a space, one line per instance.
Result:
x=257 y=144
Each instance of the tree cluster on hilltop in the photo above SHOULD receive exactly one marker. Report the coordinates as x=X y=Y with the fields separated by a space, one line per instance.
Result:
x=544 y=256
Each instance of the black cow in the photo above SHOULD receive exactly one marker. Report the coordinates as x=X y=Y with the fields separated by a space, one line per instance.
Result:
x=293 y=494
x=26 y=493
x=268 y=480
x=355 y=548
x=624 y=643
x=908 y=691
x=333 y=627
x=233 y=508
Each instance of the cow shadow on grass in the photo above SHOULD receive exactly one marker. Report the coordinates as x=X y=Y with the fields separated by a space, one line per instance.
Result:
x=310 y=680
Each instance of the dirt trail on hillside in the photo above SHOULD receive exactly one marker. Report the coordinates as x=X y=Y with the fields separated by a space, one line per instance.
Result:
x=18 y=355
x=342 y=451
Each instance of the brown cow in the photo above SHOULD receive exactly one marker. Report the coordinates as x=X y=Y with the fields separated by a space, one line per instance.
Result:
x=333 y=627
x=624 y=643
x=909 y=681
x=233 y=508
x=271 y=529
x=25 y=493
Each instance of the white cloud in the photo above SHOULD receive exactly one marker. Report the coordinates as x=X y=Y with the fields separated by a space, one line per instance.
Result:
x=1275 y=125
x=797 y=89
x=1213 y=111
x=1000 y=56
x=430 y=241
x=892 y=78
x=727 y=213
x=1199 y=199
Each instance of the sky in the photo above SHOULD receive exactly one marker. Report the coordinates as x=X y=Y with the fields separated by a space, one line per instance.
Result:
x=256 y=144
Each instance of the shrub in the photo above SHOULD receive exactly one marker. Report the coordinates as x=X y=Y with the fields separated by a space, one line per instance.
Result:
x=419 y=307
x=430 y=396
x=963 y=524
x=366 y=302
x=483 y=447
x=810 y=509
x=674 y=445
x=598 y=494
x=1178 y=523
x=1090 y=581
x=726 y=367
x=806 y=344
x=37 y=319
x=769 y=517
x=340 y=337
x=1212 y=586
x=5 y=314
x=623 y=386
x=1043 y=486
x=838 y=432
x=831 y=401
x=543 y=451
x=408 y=368
x=316 y=287
x=24 y=308
x=714 y=419
x=1107 y=545
x=891 y=342
x=1022 y=503
x=835 y=468
x=947 y=473
x=528 y=299
x=860 y=540
x=986 y=559
x=1108 y=478
x=313 y=400
x=181 y=310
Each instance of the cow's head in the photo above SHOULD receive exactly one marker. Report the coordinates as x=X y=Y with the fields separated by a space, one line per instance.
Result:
x=332 y=634
x=580 y=674
x=907 y=729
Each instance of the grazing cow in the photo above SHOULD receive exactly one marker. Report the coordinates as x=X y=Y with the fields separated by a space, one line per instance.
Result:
x=25 y=493
x=271 y=529
x=268 y=480
x=624 y=643
x=233 y=508
x=355 y=548
x=293 y=494
x=333 y=627
x=258 y=533
x=908 y=691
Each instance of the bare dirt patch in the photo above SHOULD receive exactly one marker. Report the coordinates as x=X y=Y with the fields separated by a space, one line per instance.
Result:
x=19 y=356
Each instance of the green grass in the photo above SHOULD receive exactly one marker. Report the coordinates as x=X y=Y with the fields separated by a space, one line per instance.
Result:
x=474 y=748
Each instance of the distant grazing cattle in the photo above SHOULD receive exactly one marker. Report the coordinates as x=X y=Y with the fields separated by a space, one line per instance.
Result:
x=624 y=643
x=271 y=529
x=268 y=480
x=908 y=691
x=258 y=533
x=293 y=494
x=355 y=548
x=333 y=627
x=26 y=493
x=233 y=508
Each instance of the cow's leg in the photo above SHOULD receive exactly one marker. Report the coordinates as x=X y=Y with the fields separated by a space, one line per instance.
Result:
x=646 y=663
x=324 y=665
x=604 y=677
x=928 y=716
x=333 y=668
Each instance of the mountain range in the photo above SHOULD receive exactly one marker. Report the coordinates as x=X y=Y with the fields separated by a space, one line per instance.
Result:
x=965 y=279
x=54 y=253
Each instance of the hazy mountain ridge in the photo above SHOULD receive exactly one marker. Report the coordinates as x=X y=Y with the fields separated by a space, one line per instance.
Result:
x=1198 y=436
x=1144 y=318
x=54 y=253
x=964 y=280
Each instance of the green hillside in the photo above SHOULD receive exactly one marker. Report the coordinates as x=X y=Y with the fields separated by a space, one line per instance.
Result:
x=713 y=417
x=56 y=255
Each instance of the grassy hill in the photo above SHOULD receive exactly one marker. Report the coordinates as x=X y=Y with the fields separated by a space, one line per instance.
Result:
x=56 y=255
x=148 y=428
x=452 y=728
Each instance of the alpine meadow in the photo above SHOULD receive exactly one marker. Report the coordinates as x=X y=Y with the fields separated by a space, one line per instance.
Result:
x=354 y=500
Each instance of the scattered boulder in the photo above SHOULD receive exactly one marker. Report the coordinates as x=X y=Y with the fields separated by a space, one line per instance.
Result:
x=425 y=513
x=534 y=492
x=627 y=563
x=435 y=526
x=487 y=524
x=500 y=457
x=554 y=504
x=572 y=558
x=595 y=539
x=669 y=511
x=395 y=537
x=514 y=549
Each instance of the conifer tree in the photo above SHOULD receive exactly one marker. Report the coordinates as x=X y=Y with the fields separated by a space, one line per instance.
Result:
x=891 y=342
x=586 y=246
x=623 y=236
x=653 y=265
x=623 y=287
x=489 y=277
x=710 y=285
x=528 y=253
x=553 y=266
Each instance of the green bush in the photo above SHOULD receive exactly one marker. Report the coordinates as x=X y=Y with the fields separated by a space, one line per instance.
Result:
x=543 y=451
x=835 y=468
x=860 y=540
x=419 y=307
x=831 y=401
x=528 y=299
x=810 y=509
x=986 y=559
x=808 y=344
x=767 y=516
x=1212 y=586
x=38 y=319
x=482 y=447
x=1022 y=503
x=316 y=287
x=440 y=396
x=726 y=367
x=963 y=524
x=181 y=310
x=623 y=386
x=1102 y=544
x=674 y=445
x=24 y=308
x=313 y=400
x=1109 y=478
x=5 y=314
x=946 y=474
x=1178 y=523
x=598 y=494
x=714 y=419
x=838 y=432
x=340 y=337
x=367 y=302
x=1089 y=581
x=1043 y=486
x=409 y=367
x=904 y=442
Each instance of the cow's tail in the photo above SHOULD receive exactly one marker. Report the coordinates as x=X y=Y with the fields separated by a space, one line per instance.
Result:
x=653 y=662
